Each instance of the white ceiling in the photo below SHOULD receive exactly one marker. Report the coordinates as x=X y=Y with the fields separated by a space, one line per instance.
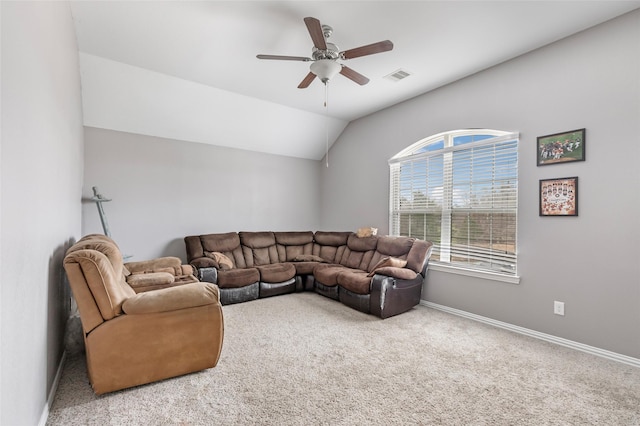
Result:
x=188 y=70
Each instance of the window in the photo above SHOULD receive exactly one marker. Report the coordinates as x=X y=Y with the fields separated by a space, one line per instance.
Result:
x=459 y=190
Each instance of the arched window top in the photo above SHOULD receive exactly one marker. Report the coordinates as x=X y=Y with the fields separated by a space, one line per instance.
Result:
x=459 y=190
x=451 y=139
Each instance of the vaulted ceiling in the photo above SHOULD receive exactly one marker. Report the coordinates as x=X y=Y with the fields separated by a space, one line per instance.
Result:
x=188 y=70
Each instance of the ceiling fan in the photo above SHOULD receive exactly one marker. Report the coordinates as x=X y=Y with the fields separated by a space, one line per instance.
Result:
x=325 y=55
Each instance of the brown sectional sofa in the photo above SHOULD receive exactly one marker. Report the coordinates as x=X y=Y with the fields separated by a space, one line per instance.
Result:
x=380 y=275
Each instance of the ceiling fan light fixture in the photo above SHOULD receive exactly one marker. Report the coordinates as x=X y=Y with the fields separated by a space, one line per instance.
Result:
x=325 y=69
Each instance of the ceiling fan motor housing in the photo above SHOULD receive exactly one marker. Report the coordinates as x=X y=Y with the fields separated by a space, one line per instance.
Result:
x=332 y=52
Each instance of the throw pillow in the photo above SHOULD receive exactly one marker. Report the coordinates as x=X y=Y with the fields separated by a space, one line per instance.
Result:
x=224 y=263
x=388 y=261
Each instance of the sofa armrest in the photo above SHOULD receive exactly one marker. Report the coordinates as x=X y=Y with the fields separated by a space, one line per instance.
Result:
x=172 y=298
x=137 y=281
x=204 y=262
x=392 y=296
x=209 y=275
x=395 y=272
x=169 y=264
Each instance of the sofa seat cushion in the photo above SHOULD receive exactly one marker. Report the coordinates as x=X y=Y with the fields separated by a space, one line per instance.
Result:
x=354 y=280
x=172 y=299
x=234 y=278
x=276 y=272
x=327 y=274
x=305 y=268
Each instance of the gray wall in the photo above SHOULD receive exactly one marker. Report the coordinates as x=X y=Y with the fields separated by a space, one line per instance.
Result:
x=164 y=190
x=592 y=262
x=41 y=179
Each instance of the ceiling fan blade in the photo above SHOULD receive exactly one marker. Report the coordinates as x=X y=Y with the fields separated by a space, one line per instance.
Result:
x=315 y=30
x=284 y=58
x=353 y=75
x=370 y=49
x=307 y=81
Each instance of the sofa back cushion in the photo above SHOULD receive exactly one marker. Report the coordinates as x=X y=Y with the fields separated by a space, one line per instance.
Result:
x=418 y=256
x=259 y=248
x=106 y=246
x=359 y=251
x=226 y=243
x=392 y=247
x=106 y=283
x=193 y=244
x=330 y=245
x=290 y=245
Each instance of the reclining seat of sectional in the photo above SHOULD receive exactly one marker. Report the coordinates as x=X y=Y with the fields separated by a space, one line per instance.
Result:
x=396 y=289
x=330 y=246
x=297 y=247
x=350 y=267
x=219 y=259
x=354 y=281
x=382 y=275
x=260 y=252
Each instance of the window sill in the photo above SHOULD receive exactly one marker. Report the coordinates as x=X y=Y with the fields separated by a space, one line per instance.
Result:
x=511 y=279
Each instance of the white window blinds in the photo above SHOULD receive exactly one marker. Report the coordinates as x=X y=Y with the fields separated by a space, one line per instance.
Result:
x=459 y=191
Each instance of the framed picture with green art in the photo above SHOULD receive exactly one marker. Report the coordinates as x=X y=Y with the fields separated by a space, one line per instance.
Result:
x=562 y=147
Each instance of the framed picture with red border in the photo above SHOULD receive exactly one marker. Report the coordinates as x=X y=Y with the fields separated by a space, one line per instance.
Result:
x=559 y=197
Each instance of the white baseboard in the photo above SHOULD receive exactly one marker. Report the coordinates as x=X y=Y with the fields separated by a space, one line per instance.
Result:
x=52 y=393
x=635 y=362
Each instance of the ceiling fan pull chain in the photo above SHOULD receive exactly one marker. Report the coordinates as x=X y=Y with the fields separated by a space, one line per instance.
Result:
x=326 y=122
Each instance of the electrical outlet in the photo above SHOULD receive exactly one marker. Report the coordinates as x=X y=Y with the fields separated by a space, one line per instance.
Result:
x=558 y=308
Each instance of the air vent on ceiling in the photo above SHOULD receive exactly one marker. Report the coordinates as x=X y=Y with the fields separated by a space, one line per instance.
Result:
x=398 y=75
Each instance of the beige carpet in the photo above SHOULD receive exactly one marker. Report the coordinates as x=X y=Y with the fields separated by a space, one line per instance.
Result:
x=303 y=359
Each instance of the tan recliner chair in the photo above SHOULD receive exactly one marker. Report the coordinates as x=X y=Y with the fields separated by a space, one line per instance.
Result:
x=136 y=338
